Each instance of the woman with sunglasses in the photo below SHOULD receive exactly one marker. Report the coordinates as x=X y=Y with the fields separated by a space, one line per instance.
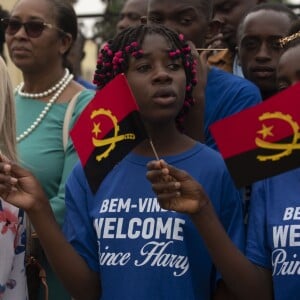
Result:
x=39 y=34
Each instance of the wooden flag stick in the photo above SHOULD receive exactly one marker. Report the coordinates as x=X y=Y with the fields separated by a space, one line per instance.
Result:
x=153 y=149
x=211 y=49
x=167 y=178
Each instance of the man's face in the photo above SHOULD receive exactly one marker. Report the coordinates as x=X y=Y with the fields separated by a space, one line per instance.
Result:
x=229 y=13
x=131 y=13
x=183 y=16
x=259 y=49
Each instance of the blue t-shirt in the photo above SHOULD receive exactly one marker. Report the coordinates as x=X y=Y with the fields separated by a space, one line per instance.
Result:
x=225 y=95
x=141 y=250
x=273 y=240
x=85 y=83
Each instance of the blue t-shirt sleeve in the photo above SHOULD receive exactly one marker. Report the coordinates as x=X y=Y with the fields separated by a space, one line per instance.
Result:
x=247 y=96
x=78 y=227
x=256 y=247
x=232 y=214
x=226 y=199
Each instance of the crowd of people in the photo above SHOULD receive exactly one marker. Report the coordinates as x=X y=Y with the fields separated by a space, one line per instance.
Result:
x=175 y=228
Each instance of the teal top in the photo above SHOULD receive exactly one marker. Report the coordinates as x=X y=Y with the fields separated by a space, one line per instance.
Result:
x=42 y=153
x=42 y=150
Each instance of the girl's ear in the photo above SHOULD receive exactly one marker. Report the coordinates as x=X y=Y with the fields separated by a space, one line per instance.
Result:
x=66 y=43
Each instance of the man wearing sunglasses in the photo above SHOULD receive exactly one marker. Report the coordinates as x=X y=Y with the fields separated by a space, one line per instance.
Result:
x=39 y=35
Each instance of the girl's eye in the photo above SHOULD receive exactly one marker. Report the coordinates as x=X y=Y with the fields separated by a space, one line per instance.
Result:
x=143 y=68
x=174 y=66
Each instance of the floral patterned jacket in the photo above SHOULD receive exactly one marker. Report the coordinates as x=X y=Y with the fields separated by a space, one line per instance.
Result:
x=12 y=253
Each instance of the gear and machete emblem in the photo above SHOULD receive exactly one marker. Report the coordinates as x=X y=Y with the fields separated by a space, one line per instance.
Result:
x=287 y=148
x=110 y=141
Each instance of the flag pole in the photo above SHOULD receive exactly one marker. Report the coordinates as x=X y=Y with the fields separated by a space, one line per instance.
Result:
x=153 y=149
x=211 y=49
x=167 y=178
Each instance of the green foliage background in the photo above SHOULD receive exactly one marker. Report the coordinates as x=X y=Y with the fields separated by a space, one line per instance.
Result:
x=106 y=27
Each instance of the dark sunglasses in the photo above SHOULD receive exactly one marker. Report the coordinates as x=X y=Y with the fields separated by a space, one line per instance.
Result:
x=32 y=28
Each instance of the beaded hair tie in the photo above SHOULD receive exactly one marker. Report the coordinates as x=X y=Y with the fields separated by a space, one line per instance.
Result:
x=287 y=39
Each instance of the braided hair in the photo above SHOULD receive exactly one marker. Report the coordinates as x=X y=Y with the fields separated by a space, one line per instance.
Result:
x=114 y=57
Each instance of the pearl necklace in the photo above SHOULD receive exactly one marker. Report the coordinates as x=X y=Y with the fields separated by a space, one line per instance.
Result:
x=46 y=109
x=46 y=93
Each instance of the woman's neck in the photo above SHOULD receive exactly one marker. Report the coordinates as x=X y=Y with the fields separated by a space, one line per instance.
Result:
x=35 y=82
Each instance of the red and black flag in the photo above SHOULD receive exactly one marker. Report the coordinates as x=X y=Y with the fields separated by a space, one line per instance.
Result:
x=107 y=130
x=263 y=140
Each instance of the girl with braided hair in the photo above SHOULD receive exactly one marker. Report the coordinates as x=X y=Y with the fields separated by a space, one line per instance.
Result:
x=119 y=243
x=115 y=55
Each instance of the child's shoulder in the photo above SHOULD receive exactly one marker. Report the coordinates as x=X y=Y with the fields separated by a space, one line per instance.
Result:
x=204 y=158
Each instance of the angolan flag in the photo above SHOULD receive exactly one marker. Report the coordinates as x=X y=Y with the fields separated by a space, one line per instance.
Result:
x=107 y=130
x=263 y=140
